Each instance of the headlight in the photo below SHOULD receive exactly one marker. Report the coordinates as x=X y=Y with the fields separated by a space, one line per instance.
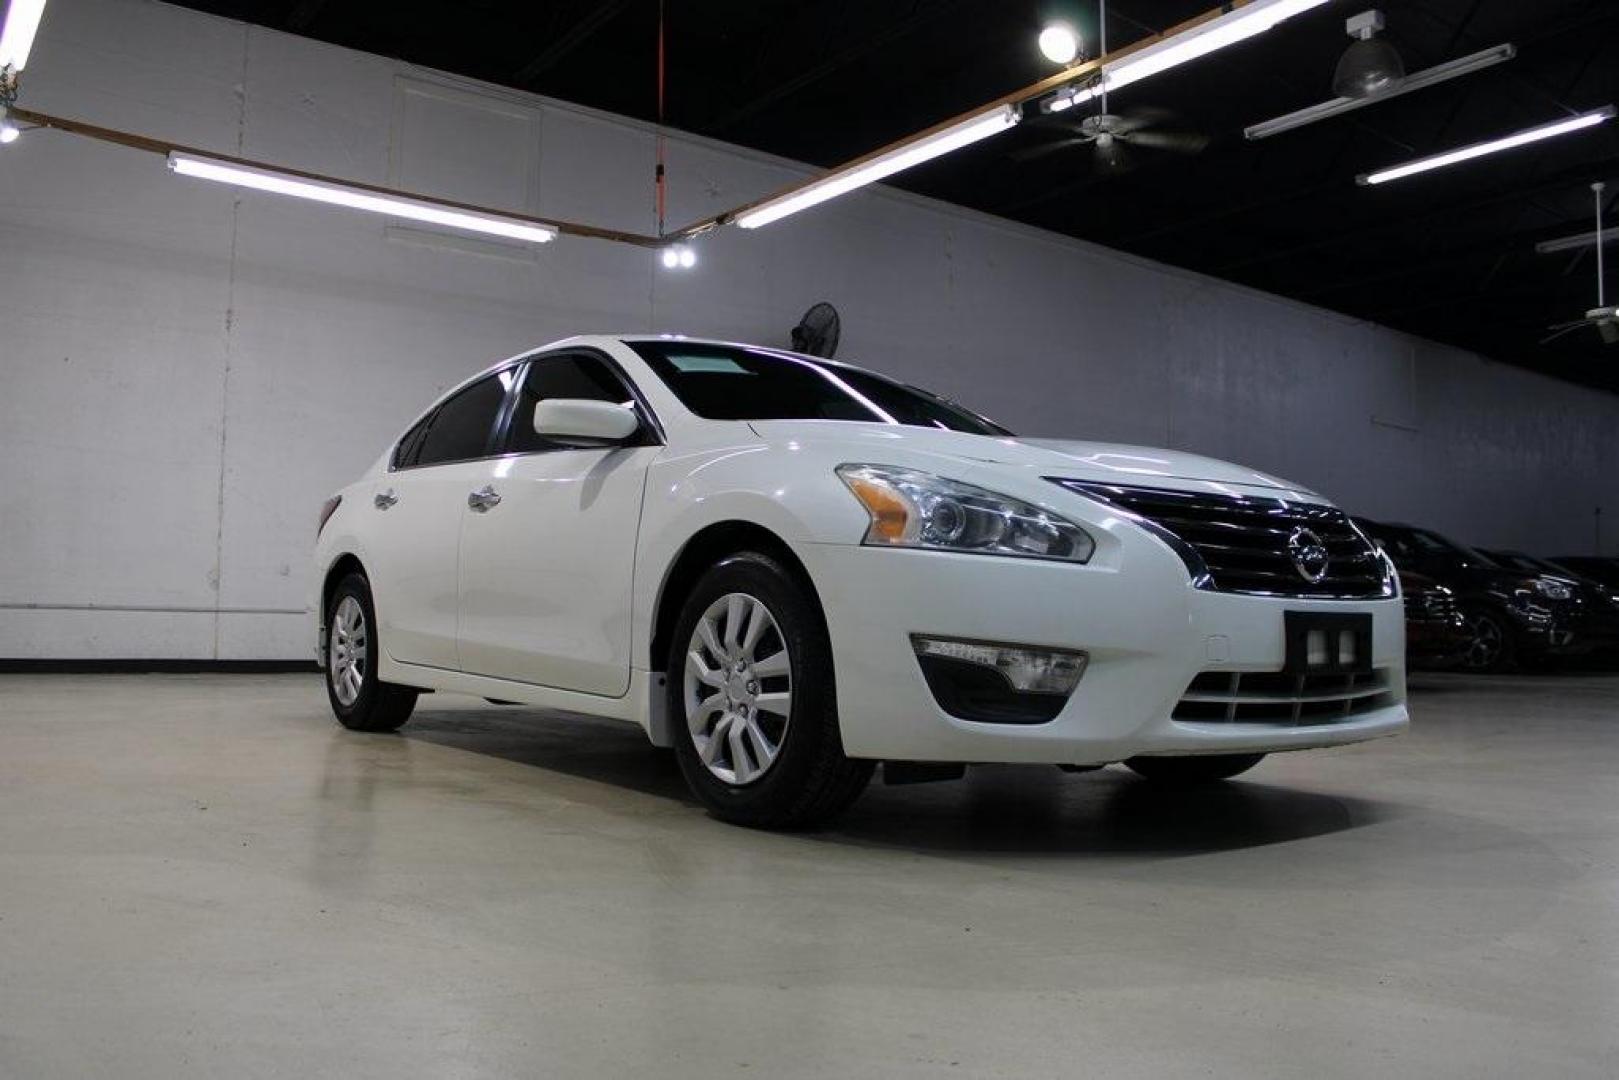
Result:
x=919 y=510
x=1551 y=590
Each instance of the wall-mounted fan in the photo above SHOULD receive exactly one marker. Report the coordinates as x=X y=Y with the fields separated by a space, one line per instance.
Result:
x=817 y=332
x=1605 y=316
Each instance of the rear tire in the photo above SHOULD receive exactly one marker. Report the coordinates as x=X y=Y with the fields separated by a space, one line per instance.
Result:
x=1191 y=771
x=360 y=700
x=752 y=698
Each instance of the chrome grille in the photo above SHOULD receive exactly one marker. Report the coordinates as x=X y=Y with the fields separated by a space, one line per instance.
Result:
x=1274 y=697
x=1239 y=543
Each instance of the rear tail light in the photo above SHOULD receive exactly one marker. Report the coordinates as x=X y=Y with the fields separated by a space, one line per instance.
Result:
x=327 y=509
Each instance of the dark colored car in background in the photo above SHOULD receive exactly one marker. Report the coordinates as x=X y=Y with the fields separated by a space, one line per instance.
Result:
x=1512 y=616
x=1596 y=626
x=1599 y=568
x=1436 y=633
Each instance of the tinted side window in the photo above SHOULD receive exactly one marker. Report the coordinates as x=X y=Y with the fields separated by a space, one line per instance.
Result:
x=463 y=424
x=405 y=452
x=584 y=377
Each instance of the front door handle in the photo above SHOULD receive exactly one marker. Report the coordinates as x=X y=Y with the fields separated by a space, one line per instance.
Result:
x=385 y=499
x=484 y=499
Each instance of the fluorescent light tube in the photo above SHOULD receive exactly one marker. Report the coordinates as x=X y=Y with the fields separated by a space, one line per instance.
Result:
x=903 y=157
x=412 y=209
x=1476 y=150
x=1419 y=80
x=17 y=39
x=1228 y=29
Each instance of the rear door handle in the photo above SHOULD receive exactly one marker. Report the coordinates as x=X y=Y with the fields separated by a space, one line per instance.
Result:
x=385 y=499
x=484 y=499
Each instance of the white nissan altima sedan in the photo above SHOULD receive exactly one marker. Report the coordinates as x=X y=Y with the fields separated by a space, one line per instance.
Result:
x=789 y=570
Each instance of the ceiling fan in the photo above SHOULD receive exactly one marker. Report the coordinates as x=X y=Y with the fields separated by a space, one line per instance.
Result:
x=1113 y=136
x=1605 y=316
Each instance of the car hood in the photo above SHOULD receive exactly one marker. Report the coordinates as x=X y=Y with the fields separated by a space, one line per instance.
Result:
x=1114 y=463
x=1467 y=576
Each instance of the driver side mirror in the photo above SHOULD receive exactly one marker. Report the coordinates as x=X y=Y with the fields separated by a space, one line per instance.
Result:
x=582 y=422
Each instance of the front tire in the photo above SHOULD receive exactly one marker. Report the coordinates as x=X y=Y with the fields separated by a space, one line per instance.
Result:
x=1489 y=641
x=360 y=700
x=751 y=693
x=1192 y=771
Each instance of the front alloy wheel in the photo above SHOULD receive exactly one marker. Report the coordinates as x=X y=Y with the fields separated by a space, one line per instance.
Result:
x=1488 y=648
x=739 y=695
x=750 y=676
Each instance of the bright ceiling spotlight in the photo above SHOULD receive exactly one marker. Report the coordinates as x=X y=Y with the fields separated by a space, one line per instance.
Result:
x=678 y=257
x=8 y=130
x=1206 y=37
x=17 y=38
x=869 y=171
x=1059 y=43
x=358 y=198
x=1492 y=146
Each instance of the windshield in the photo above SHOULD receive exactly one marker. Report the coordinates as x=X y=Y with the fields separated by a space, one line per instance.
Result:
x=732 y=382
x=1432 y=543
x=1514 y=561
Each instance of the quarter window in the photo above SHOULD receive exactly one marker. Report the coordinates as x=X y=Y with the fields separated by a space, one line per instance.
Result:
x=577 y=376
x=461 y=427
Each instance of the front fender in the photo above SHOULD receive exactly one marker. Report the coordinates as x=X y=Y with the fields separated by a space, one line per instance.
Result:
x=797 y=497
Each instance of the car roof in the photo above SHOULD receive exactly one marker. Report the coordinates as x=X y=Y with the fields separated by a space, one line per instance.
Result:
x=587 y=340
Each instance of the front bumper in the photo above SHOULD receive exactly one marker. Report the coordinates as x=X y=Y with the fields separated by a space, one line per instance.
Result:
x=1436 y=642
x=1148 y=633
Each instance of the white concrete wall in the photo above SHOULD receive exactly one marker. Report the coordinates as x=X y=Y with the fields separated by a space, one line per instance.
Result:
x=186 y=373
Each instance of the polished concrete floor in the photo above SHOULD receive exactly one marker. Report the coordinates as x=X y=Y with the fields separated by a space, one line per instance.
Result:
x=202 y=876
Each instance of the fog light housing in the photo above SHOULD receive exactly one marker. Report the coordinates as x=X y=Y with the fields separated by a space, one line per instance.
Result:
x=998 y=683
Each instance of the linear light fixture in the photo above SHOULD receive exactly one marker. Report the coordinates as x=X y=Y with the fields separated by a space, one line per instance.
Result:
x=358 y=198
x=1492 y=146
x=872 y=169
x=1579 y=240
x=1217 y=33
x=1419 y=80
x=17 y=38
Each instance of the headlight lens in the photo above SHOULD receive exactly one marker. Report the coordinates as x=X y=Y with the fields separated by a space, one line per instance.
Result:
x=920 y=510
x=1551 y=590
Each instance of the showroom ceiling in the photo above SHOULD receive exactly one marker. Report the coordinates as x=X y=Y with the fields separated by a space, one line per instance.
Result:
x=1449 y=255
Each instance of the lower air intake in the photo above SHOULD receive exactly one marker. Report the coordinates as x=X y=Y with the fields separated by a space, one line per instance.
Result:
x=1273 y=697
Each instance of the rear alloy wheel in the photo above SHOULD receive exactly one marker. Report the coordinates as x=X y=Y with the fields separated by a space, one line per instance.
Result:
x=1188 y=771
x=750 y=686
x=360 y=700
x=1488 y=646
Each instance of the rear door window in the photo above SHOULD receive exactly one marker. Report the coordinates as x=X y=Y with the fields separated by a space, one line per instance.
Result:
x=463 y=426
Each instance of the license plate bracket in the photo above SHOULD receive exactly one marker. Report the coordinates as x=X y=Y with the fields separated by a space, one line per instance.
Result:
x=1327 y=643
